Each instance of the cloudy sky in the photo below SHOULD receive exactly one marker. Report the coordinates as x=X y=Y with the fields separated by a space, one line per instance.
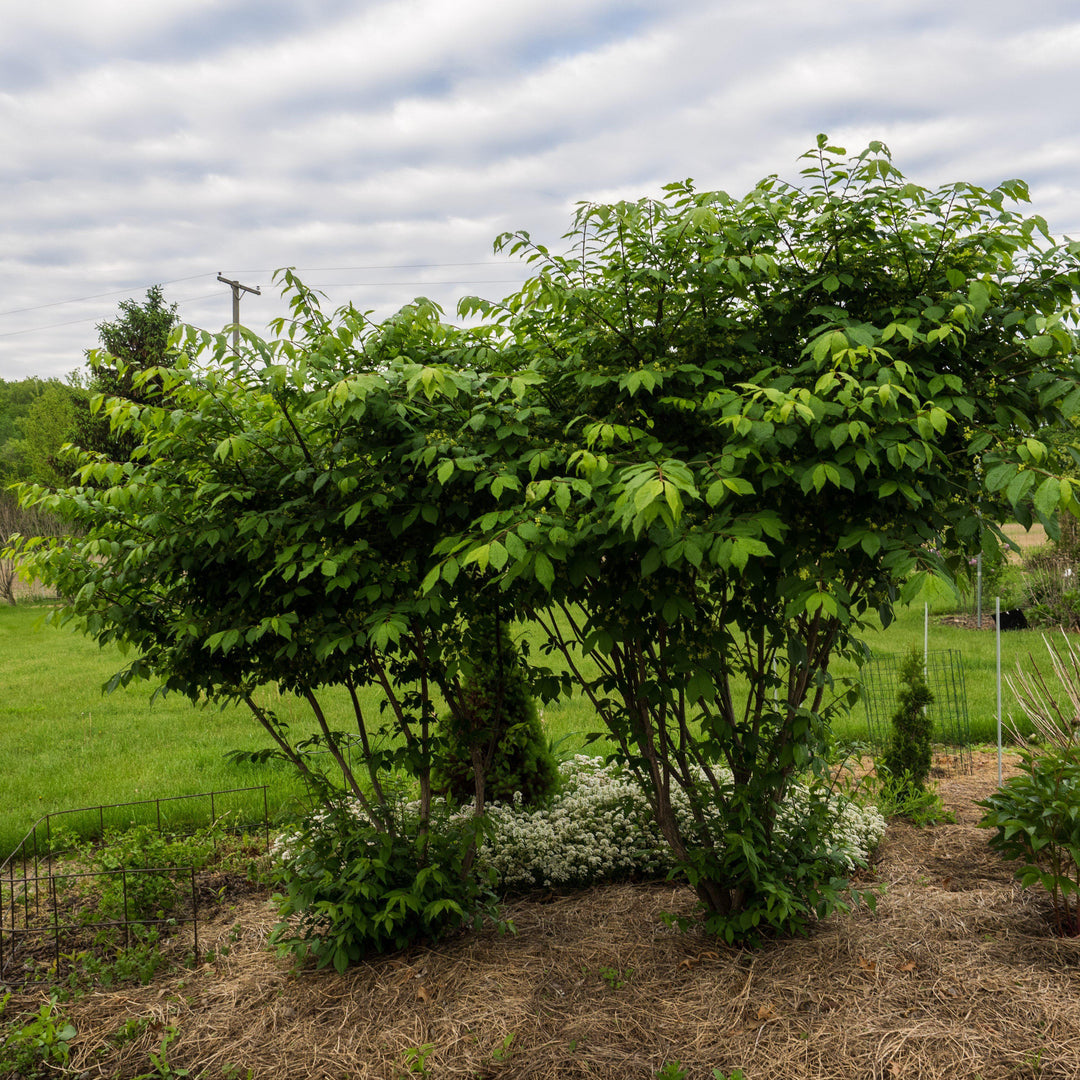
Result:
x=379 y=145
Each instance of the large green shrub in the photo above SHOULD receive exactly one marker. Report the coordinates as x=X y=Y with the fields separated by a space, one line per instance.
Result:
x=495 y=731
x=703 y=450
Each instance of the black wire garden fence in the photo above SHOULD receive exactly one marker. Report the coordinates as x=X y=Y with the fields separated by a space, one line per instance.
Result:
x=949 y=710
x=55 y=902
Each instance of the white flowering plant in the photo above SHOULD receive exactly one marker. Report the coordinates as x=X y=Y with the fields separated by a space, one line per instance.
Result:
x=599 y=827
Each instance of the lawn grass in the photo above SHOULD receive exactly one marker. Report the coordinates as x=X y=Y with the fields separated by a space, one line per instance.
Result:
x=64 y=745
x=978 y=650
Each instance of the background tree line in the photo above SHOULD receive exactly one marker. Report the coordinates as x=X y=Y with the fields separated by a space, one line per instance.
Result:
x=38 y=417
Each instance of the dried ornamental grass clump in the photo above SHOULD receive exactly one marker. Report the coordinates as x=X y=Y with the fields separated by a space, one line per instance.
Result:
x=1054 y=713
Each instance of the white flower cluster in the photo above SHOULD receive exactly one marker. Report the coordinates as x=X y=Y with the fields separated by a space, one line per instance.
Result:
x=600 y=826
x=854 y=830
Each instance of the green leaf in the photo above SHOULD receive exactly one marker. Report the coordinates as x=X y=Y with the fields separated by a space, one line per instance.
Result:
x=823 y=601
x=1000 y=475
x=744 y=548
x=544 y=571
x=497 y=555
x=1047 y=496
x=651 y=561
x=979 y=296
x=648 y=493
x=450 y=570
x=1019 y=486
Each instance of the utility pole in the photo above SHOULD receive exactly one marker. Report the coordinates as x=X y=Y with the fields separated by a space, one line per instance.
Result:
x=236 y=287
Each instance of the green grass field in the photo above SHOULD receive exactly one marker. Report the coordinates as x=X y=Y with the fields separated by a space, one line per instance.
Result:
x=65 y=745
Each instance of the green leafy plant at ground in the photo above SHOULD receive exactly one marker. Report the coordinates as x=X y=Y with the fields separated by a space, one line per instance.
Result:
x=506 y=1049
x=1036 y=822
x=615 y=978
x=908 y=755
x=137 y=879
x=137 y=962
x=160 y=1066
x=36 y=1045
x=415 y=1059
x=673 y=1070
x=350 y=890
x=495 y=733
x=130 y=1030
x=900 y=797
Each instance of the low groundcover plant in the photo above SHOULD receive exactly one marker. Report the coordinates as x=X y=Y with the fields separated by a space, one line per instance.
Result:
x=599 y=827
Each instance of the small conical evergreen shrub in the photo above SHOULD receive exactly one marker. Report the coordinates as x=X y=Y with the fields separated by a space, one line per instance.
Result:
x=908 y=754
x=496 y=724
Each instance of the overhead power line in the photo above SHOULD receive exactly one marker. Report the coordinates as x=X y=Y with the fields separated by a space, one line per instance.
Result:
x=96 y=318
x=301 y=270
x=385 y=266
x=95 y=296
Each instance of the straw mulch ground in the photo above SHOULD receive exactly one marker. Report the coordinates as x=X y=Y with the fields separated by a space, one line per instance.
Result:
x=955 y=976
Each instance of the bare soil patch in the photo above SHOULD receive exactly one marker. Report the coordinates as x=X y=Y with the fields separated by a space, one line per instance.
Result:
x=968 y=622
x=956 y=975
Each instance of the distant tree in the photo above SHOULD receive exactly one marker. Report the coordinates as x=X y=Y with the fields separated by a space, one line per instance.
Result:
x=130 y=346
x=36 y=419
x=16 y=397
x=15 y=400
x=46 y=427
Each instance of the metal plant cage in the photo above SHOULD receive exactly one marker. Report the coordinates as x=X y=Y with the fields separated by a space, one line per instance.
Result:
x=34 y=904
x=948 y=711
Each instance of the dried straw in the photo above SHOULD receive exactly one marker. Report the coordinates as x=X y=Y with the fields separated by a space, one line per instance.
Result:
x=956 y=975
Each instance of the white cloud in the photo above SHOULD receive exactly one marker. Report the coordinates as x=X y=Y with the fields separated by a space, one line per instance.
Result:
x=154 y=143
